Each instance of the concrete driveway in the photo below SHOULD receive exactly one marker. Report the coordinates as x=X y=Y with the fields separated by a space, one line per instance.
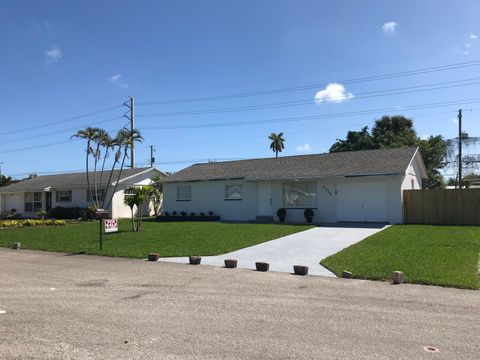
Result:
x=303 y=248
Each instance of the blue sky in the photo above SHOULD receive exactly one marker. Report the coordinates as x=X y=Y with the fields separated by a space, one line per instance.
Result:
x=61 y=59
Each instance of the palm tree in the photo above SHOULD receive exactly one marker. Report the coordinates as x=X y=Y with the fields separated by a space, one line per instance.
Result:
x=126 y=138
x=117 y=142
x=88 y=134
x=105 y=141
x=277 y=144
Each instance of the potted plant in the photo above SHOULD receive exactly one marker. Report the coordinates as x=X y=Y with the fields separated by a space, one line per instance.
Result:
x=308 y=213
x=282 y=214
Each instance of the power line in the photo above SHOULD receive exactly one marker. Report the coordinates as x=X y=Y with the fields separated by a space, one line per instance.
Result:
x=281 y=120
x=315 y=117
x=364 y=95
x=16 y=140
x=316 y=85
x=61 y=121
x=291 y=132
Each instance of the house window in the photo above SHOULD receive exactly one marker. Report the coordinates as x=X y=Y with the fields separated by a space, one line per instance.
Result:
x=99 y=196
x=233 y=192
x=63 y=196
x=128 y=192
x=184 y=193
x=299 y=194
x=33 y=202
x=412 y=183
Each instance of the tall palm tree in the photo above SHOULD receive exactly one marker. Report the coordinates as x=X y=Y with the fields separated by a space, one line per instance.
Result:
x=126 y=138
x=88 y=134
x=277 y=144
x=117 y=144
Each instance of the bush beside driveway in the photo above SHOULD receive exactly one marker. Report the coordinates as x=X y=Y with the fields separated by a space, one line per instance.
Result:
x=433 y=255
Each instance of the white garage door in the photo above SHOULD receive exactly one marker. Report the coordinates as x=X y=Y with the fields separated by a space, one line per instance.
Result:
x=362 y=202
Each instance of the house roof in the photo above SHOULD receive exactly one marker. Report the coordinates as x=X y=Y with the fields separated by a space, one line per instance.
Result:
x=68 y=181
x=352 y=163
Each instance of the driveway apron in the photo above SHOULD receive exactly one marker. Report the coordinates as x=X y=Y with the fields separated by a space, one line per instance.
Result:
x=304 y=248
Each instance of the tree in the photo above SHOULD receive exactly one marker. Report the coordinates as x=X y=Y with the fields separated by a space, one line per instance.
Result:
x=136 y=199
x=125 y=139
x=397 y=131
x=5 y=180
x=156 y=194
x=355 y=140
x=277 y=144
x=88 y=134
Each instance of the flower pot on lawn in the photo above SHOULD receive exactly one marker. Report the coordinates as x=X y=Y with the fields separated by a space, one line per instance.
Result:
x=262 y=266
x=230 y=263
x=195 y=260
x=300 y=270
x=153 y=257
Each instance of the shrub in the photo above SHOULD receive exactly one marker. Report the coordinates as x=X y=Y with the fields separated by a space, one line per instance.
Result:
x=174 y=213
x=42 y=214
x=202 y=214
x=308 y=213
x=282 y=212
x=166 y=213
x=31 y=222
x=192 y=214
x=68 y=213
x=183 y=213
x=88 y=213
x=210 y=213
x=10 y=215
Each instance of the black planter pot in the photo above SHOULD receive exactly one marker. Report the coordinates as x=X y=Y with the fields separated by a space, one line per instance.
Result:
x=230 y=263
x=262 y=266
x=153 y=257
x=309 y=220
x=300 y=270
x=195 y=260
x=281 y=219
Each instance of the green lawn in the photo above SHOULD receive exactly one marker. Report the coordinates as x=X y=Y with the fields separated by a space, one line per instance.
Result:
x=434 y=255
x=168 y=239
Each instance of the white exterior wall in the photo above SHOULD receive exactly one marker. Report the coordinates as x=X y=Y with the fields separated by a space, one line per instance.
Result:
x=79 y=198
x=12 y=201
x=210 y=196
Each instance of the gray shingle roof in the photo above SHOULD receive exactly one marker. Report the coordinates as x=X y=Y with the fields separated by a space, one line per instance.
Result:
x=352 y=163
x=65 y=181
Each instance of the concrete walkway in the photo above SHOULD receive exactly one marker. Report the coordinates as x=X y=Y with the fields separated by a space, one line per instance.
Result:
x=303 y=248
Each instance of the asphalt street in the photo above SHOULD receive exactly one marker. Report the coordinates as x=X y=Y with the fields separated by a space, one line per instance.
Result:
x=55 y=306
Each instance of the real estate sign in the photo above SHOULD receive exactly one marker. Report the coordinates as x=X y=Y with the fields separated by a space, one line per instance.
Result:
x=111 y=225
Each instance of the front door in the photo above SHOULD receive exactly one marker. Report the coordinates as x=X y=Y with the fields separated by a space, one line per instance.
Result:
x=264 y=199
x=48 y=201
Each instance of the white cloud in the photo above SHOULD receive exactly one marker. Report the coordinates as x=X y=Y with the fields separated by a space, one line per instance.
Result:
x=468 y=46
x=389 y=27
x=53 y=55
x=473 y=36
x=455 y=120
x=117 y=80
x=305 y=148
x=334 y=92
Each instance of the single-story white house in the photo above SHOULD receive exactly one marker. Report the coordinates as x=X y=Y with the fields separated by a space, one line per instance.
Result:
x=356 y=186
x=30 y=196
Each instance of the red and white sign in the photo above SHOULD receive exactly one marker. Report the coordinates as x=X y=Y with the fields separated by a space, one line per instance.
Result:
x=111 y=225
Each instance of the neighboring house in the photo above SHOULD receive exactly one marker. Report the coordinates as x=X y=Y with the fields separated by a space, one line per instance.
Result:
x=357 y=186
x=29 y=196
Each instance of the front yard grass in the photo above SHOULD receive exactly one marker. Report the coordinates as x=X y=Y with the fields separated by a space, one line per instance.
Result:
x=433 y=255
x=168 y=239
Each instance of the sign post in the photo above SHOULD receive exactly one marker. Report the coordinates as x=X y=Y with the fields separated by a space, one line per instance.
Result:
x=101 y=214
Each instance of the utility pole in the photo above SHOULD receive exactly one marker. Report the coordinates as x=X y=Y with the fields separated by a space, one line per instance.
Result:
x=152 y=159
x=1 y=163
x=459 y=116
x=131 y=117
